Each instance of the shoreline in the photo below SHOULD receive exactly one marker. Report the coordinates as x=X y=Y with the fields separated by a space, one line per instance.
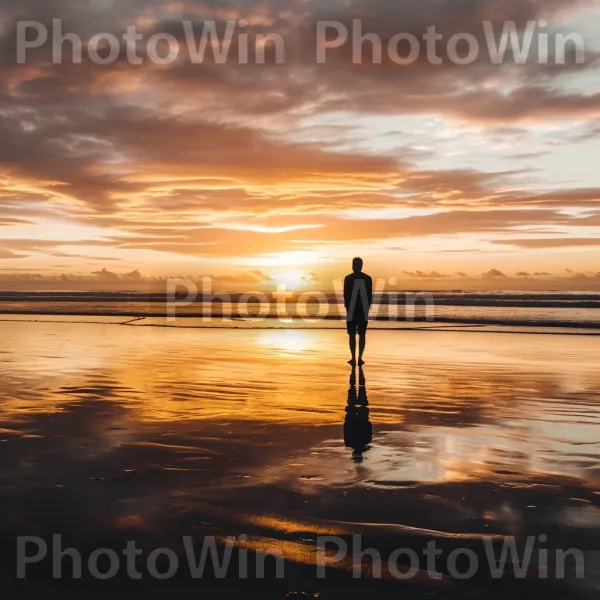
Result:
x=240 y=323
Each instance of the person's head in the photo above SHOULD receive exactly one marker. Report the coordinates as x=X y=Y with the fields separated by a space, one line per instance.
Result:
x=357 y=264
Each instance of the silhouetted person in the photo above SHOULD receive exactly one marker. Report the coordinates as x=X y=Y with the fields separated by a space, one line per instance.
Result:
x=358 y=296
x=358 y=431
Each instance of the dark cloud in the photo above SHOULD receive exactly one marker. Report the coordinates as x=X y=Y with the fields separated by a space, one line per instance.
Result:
x=493 y=274
x=574 y=197
x=424 y=275
x=106 y=280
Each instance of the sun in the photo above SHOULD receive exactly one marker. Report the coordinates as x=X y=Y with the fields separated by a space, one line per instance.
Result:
x=292 y=279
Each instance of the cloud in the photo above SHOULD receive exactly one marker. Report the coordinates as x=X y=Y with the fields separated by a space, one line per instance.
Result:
x=84 y=256
x=106 y=276
x=540 y=243
x=254 y=276
x=231 y=241
x=425 y=275
x=107 y=280
x=8 y=222
x=8 y=254
x=574 y=197
x=256 y=279
x=493 y=274
x=236 y=161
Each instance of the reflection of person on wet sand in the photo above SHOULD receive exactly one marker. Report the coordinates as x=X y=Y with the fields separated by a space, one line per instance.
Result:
x=358 y=431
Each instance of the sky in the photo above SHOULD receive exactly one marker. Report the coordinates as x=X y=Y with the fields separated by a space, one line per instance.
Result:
x=474 y=176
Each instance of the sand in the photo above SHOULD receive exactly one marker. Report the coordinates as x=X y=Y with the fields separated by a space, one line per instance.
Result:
x=112 y=433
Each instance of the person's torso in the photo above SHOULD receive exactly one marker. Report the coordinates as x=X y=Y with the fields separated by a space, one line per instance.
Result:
x=357 y=295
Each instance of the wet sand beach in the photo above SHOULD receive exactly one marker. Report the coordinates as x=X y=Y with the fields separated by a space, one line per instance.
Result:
x=110 y=434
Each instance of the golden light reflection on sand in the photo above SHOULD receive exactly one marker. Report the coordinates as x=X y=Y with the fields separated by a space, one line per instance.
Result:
x=288 y=341
x=444 y=406
x=293 y=526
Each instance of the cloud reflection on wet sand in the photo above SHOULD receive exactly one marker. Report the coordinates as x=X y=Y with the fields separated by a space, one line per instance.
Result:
x=109 y=431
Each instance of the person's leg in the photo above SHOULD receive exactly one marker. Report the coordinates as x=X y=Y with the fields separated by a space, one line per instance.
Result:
x=352 y=338
x=362 y=341
x=351 y=328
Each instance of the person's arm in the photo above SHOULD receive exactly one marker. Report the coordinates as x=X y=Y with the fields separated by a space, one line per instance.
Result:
x=347 y=292
x=370 y=291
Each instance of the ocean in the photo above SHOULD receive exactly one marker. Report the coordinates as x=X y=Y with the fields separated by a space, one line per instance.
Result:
x=551 y=309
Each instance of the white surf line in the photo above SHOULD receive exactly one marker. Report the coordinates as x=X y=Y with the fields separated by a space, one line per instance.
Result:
x=66 y=322
x=445 y=328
